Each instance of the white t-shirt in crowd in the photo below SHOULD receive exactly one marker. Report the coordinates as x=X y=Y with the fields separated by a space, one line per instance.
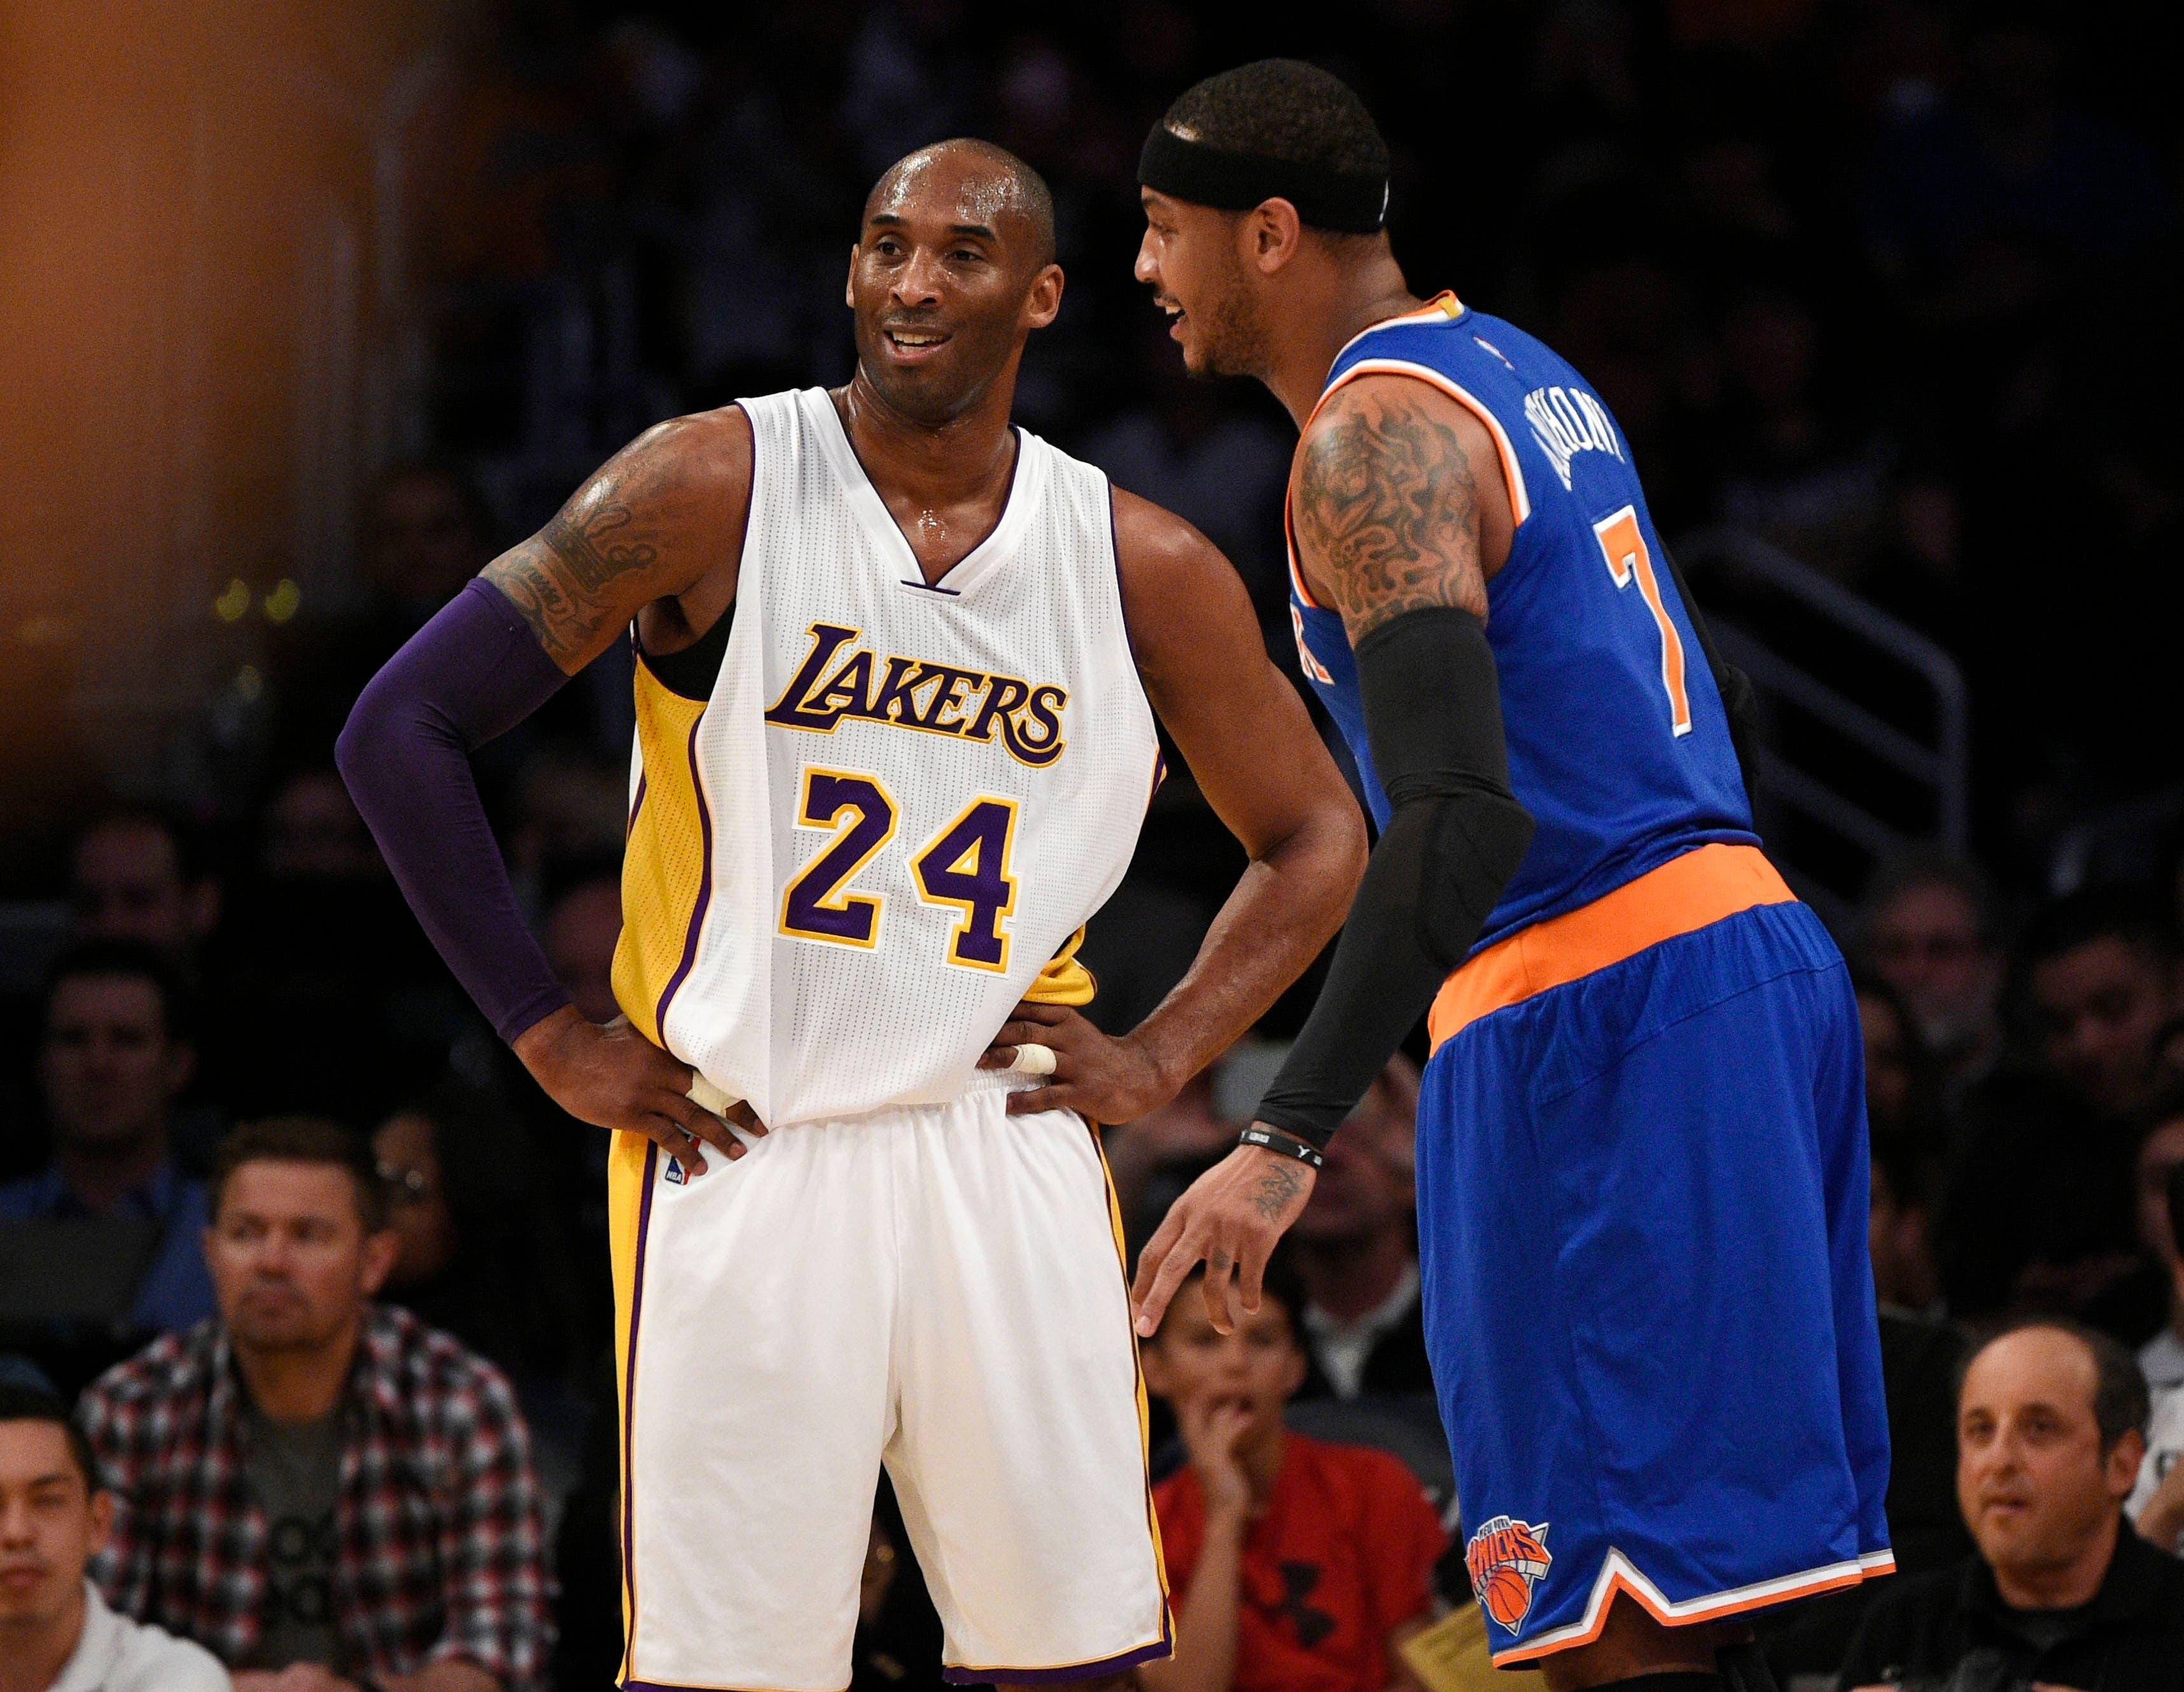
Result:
x=2162 y=1358
x=116 y=1655
x=2164 y=1448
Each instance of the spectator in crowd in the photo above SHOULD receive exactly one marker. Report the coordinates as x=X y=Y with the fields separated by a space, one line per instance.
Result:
x=1291 y=1561
x=1355 y=1250
x=1906 y=1175
x=2050 y=1432
x=478 y=1253
x=56 y=1632
x=426 y=533
x=134 y=875
x=2160 y=1155
x=113 y=1060
x=1930 y=934
x=2100 y=980
x=313 y=1478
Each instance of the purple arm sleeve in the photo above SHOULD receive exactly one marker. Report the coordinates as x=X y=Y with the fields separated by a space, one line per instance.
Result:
x=473 y=672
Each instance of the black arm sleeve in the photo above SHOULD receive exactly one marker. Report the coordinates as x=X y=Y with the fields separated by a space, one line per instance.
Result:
x=1433 y=716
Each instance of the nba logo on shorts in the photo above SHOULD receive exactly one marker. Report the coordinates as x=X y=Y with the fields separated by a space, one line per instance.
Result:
x=674 y=1174
x=1505 y=1556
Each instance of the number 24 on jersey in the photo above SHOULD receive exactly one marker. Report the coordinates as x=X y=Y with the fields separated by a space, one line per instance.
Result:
x=965 y=865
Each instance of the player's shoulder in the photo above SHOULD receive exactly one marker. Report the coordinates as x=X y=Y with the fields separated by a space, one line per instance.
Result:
x=1150 y=538
x=702 y=446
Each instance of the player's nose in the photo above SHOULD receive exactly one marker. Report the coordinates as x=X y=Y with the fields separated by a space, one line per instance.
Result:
x=917 y=283
x=1147 y=267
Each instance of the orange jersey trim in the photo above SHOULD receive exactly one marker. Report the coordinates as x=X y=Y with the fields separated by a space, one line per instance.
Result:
x=1701 y=886
x=1715 y=1609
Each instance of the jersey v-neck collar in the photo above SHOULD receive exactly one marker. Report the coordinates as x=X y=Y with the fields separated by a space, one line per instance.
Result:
x=969 y=571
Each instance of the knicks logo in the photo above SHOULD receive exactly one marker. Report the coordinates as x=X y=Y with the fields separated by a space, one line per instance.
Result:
x=909 y=693
x=1505 y=1556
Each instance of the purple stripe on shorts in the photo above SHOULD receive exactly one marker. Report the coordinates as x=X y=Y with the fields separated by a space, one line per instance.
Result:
x=704 y=891
x=629 y=1403
x=1160 y=1647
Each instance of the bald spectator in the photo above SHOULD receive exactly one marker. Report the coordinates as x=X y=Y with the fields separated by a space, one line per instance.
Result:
x=111 y=1063
x=2060 y=1591
x=1930 y=935
x=1355 y=1250
x=2101 y=982
x=56 y=1632
x=133 y=875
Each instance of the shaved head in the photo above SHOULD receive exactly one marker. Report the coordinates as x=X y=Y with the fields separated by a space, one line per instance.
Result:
x=993 y=188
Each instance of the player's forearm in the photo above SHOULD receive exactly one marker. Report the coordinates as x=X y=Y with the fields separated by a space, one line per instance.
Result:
x=1288 y=904
x=1206 y=1628
x=471 y=673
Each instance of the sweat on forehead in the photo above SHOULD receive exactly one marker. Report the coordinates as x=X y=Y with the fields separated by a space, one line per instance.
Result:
x=985 y=183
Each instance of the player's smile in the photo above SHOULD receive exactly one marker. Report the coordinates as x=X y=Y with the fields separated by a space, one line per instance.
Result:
x=913 y=343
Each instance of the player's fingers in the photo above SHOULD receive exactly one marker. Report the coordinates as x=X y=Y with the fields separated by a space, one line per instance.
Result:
x=671 y=1138
x=1019 y=1032
x=1219 y=1267
x=1251 y=1275
x=702 y=1125
x=744 y=1117
x=1168 y=1258
x=997 y=1057
x=1059 y=1096
x=1151 y=1253
x=1039 y=1016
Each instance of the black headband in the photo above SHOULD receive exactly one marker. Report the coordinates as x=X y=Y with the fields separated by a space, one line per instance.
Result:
x=1343 y=201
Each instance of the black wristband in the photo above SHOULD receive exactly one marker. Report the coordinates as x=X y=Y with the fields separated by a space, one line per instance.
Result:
x=1288 y=1145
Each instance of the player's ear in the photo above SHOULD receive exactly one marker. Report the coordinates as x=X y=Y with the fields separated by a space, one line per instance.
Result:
x=1044 y=302
x=1272 y=232
x=850 y=281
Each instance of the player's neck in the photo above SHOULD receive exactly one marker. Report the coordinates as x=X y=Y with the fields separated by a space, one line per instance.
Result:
x=950 y=462
x=1331 y=307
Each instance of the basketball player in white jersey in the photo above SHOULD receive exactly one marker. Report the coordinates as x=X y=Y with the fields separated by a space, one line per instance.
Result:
x=899 y=665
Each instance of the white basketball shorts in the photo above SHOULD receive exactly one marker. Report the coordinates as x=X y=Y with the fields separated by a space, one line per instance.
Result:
x=938 y=1288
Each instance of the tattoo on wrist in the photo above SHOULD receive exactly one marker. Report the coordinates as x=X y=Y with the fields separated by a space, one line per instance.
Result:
x=1277 y=1186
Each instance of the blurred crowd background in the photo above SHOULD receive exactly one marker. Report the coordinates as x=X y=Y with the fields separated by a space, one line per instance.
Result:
x=312 y=318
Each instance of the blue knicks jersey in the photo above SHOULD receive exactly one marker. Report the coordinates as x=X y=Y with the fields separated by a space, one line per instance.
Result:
x=1619 y=744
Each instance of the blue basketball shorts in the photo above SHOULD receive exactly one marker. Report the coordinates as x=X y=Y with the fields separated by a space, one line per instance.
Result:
x=1642 y=1217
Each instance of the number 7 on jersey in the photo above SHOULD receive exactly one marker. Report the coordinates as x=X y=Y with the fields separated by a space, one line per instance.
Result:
x=1624 y=547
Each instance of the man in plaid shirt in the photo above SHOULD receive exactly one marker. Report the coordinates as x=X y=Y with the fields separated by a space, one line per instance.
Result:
x=313 y=1478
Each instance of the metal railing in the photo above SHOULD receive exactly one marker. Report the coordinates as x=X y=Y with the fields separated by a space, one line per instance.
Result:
x=1885 y=753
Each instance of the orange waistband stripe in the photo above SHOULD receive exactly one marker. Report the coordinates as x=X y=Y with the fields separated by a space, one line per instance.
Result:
x=1702 y=886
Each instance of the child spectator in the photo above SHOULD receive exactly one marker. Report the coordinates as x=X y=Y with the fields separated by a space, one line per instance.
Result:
x=1295 y=1566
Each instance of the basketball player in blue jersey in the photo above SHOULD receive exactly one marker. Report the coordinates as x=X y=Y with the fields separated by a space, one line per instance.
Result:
x=898 y=667
x=1641 y=1136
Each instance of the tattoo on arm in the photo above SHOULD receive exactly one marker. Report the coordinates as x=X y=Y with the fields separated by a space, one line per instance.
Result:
x=1276 y=1188
x=555 y=579
x=1387 y=508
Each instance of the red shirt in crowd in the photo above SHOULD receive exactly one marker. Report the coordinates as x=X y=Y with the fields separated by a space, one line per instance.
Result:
x=1344 y=1554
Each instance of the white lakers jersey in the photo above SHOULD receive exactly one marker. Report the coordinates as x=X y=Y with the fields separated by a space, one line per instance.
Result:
x=901 y=802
